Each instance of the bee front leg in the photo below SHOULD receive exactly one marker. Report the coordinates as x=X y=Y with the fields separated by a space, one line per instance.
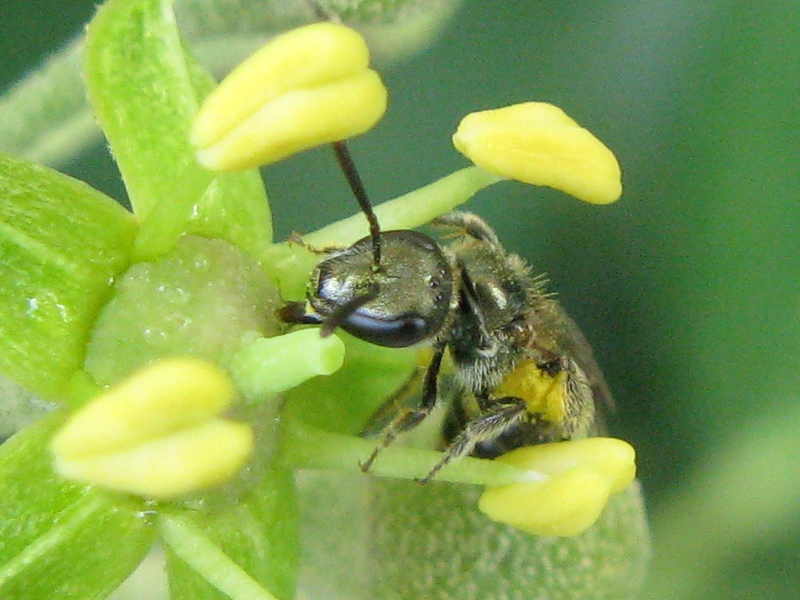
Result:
x=498 y=417
x=296 y=239
x=409 y=418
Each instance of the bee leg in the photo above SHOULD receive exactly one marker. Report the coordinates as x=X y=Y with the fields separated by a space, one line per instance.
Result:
x=579 y=409
x=409 y=418
x=498 y=416
x=469 y=224
x=398 y=401
x=296 y=239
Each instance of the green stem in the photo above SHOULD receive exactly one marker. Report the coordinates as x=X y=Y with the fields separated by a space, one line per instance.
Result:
x=304 y=447
x=410 y=210
x=192 y=546
x=290 y=264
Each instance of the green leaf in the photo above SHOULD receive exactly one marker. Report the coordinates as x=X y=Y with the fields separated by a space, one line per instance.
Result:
x=59 y=540
x=146 y=91
x=397 y=539
x=242 y=549
x=61 y=244
x=395 y=29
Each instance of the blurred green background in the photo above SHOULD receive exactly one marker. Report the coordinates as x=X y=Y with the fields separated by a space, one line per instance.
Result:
x=687 y=287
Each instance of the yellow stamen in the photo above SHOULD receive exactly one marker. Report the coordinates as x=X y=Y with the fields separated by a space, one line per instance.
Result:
x=307 y=87
x=157 y=433
x=573 y=483
x=538 y=143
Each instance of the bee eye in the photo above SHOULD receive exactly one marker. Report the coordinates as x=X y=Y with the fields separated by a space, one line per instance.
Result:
x=396 y=332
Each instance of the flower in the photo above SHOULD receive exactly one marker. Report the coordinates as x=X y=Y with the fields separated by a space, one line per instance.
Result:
x=534 y=142
x=538 y=143
x=147 y=352
x=307 y=87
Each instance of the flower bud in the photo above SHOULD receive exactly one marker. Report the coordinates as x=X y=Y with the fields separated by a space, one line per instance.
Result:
x=307 y=87
x=157 y=433
x=574 y=482
x=538 y=143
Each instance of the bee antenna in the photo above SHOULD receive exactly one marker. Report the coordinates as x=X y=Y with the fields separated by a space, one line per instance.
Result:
x=357 y=186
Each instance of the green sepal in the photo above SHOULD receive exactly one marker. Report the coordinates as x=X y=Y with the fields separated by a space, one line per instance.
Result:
x=257 y=532
x=61 y=245
x=146 y=90
x=59 y=540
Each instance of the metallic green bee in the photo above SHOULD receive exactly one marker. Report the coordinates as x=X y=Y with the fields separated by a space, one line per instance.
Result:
x=522 y=371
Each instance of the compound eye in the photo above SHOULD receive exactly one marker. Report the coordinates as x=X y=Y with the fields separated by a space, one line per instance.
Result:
x=401 y=332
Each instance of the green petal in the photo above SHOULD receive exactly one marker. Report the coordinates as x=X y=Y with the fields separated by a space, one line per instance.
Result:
x=146 y=91
x=61 y=243
x=59 y=540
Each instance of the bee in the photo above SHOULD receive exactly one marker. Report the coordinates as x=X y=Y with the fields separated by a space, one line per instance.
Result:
x=522 y=371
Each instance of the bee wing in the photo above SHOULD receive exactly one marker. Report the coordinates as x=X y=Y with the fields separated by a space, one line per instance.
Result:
x=573 y=342
x=406 y=396
x=409 y=394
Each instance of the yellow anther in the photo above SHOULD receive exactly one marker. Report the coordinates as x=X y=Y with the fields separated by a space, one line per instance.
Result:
x=196 y=458
x=538 y=143
x=573 y=484
x=157 y=433
x=307 y=87
x=564 y=505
